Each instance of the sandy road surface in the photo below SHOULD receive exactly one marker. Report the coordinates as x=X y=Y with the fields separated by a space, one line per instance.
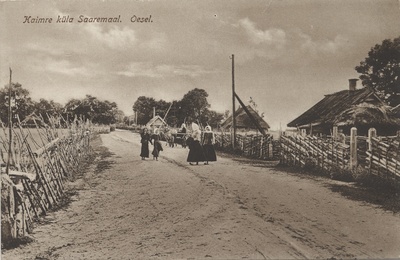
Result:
x=127 y=208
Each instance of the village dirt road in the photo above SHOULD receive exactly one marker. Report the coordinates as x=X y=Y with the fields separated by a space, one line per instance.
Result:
x=127 y=208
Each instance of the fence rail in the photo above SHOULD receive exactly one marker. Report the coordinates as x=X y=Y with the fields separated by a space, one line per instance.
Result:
x=324 y=153
x=378 y=155
x=255 y=146
x=383 y=157
x=38 y=173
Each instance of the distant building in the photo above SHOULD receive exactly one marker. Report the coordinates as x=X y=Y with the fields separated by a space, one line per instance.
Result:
x=360 y=108
x=243 y=121
x=156 y=122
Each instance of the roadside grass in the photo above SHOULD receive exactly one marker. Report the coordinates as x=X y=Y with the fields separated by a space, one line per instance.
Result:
x=359 y=185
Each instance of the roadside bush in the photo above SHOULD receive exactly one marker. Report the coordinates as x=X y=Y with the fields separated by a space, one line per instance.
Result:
x=366 y=178
x=337 y=173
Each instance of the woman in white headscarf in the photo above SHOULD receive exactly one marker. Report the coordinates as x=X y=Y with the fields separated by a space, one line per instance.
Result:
x=208 y=145
x=196 y=153
x=157 y=147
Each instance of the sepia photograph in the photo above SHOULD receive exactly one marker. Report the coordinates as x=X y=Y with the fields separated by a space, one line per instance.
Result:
x=214 y=129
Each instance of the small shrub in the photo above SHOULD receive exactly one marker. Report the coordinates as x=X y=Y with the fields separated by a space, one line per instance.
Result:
x=337 y=173
x=310 y=163
x=366 y=178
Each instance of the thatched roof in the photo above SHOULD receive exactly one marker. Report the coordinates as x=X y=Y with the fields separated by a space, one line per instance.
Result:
x=330 y=109
x=367 y=114
x=244 y=121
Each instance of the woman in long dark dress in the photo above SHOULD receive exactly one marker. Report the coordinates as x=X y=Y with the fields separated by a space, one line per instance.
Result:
x=144 y=152
x=157 y=147
x=208 y=145
x=196 y=153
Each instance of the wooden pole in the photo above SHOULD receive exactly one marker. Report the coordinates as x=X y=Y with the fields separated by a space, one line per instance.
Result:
x=9 y=126
x=335 y=133
x=233 y=103
x=353 y=148
x=136 y=112
x=255 y=122
x=371 y=134
x=165 y=116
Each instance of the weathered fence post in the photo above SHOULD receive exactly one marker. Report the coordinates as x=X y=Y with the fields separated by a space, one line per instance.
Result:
x=371 y=134
x=335 y=133
x=353 y=148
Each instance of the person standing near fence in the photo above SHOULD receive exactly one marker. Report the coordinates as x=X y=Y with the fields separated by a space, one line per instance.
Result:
x=157 y=147
x=208 y=142
x=145 y=139
x=196 y=153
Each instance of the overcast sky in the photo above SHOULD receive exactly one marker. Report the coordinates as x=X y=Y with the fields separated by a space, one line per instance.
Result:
x=288 y=54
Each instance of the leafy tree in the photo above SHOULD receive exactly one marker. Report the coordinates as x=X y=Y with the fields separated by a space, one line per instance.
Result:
x=120 y=116
x=212 y=118
x=173 y=116
x=381 y=70
x=44 y=108
x=22 y=104
x=102 y=112
x=143 y=107
x=162 y=107
x=193 y=107
x=194 y=104
x=105 y=112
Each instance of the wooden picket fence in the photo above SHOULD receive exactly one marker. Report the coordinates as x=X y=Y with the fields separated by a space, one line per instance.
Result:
x=383 y=157
x=377 y=155
x=38 y=174
x=254 y=146
x=311 y=150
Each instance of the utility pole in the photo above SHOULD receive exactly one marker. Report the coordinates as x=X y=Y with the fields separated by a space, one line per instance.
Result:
x=136 y=117
x=233 y=104
x=9 y=126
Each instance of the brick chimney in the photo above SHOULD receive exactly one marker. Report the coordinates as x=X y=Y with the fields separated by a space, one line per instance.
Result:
x=352 y=84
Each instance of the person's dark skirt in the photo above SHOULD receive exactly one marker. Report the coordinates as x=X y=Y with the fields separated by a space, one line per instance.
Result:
x=209 y=153
x=196 y=153
x=144 y=152
x=157 y=149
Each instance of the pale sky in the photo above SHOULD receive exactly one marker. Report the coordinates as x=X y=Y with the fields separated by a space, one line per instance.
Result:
x=288 y=54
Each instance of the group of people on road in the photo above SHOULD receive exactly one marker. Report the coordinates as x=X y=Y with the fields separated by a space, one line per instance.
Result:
x=154 y=139
x=201 y=144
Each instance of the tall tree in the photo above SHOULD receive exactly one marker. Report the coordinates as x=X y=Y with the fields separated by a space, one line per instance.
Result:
x=194 y=104
x=21 y=104
x=381 y=70
x=212 y=118
x=98 y=111
x=143 y=107
x=162 y=107
x=45 y=107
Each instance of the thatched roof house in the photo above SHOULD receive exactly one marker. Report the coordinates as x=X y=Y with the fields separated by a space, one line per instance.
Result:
x=156 y=122
x=361 y=108
x=243 y=121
